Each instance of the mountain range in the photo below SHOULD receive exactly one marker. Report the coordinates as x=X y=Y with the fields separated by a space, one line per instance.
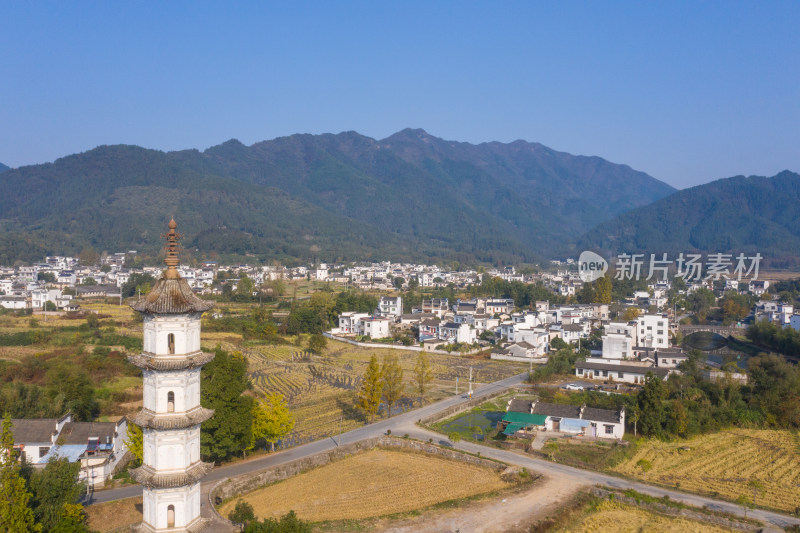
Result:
x=751 y=215
x=345 y=196
x=411 y=196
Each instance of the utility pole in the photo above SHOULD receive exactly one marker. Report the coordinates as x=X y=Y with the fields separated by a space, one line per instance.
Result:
x=470 y=383
x=456 y=385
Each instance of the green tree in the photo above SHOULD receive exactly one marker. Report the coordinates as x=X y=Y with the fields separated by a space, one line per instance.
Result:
x=73 y=520
x=369 y=396
x=651 y=404
x=317 y=343
x=602 y=291
x=54 y=487
x=137 y=283
x=223 y=383
x=242 y=513
x=244 y=289
x=272 y=419
x=288 y=523
x=15 y=514
x=135 y=441
x=745 y=503
x=392 y=376
x=47 y=277
x=423 y=375
x=454 y=436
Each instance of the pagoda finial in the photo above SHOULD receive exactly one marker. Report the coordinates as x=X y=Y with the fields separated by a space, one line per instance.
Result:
x=172 y=260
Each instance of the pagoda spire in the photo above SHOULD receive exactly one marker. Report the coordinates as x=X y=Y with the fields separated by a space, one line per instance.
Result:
x=172 y=261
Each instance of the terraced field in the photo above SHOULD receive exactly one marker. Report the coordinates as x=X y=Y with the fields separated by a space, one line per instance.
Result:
x=728 y=463
x=320 y=388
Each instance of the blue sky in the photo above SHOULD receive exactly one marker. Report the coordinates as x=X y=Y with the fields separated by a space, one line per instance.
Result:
x=687 y=92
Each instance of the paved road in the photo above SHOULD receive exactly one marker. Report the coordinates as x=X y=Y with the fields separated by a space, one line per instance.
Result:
x=549 y=468
x=408 y=418
x=406 y=423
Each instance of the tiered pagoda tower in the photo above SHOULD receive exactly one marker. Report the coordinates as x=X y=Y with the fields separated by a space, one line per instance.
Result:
x=171 y=414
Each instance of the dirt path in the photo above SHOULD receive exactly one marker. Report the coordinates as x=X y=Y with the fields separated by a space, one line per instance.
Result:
x=499 y=515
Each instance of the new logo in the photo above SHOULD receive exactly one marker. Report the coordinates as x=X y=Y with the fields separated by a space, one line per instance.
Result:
x=591 y=266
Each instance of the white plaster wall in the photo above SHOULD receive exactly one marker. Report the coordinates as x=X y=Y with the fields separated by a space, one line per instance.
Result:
x=186 y=329
x=185 y=384
x=186 y=501
x=171 y=450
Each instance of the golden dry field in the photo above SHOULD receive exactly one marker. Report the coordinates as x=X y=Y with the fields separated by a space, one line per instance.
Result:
x=725 y=464
x=114 y=516
x=373 y=483
x=623 y=518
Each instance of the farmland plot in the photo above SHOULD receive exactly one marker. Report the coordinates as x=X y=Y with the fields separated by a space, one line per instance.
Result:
x=725 y=464
x=374 y=483
x=615 y=516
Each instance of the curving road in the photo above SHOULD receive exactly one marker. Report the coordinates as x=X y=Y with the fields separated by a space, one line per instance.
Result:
x=406 y=423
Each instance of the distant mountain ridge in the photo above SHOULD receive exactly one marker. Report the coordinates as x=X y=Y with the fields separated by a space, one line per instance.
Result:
x=3 y=167
x=738 y=214
x=328 y=197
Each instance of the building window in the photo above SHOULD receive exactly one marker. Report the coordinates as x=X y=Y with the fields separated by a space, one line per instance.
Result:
x=580 y=371
x=171 y=343
x=661 y=332
x=609 y=429
x=171 y=516
x=170 y=402
x=43 y=450
x=620 y=376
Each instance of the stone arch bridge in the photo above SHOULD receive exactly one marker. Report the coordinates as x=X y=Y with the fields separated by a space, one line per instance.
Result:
x=725 y=331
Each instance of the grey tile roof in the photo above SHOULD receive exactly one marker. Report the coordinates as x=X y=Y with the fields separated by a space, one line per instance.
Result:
x=557 y=410
x=171 y=296
x=33 y=429
x=79 y=432
x=520 y=406
x=601 y=415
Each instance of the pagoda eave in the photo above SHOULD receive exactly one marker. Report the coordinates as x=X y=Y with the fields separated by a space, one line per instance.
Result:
x=150 y=420
x=151 y=479
x=149 y=361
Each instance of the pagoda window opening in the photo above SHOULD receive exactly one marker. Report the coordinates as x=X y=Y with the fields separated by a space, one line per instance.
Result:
x=171 y=514
x=170 y=402
x=171 y=343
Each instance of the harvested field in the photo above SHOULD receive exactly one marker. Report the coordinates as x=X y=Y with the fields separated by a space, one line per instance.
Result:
x=727 y=464
x=374 y=483
x=114 y=516
x=620 y=517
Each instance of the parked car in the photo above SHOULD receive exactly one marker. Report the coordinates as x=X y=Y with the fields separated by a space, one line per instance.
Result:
x=572 y=386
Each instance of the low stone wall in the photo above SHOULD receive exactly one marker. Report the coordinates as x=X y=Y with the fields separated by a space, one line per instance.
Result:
x=395 y=347
x=238 y=485
x=527 y=360
x=460 y=408
x=715 y=519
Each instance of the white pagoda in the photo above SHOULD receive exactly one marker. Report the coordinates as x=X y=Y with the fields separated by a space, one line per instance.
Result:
x=171 y=415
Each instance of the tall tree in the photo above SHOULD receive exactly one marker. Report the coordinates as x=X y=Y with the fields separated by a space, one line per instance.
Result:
x=15 y=515
x=651 y=404
x=423 y=375
x=272 y=419
x=602 y=291
x=134 y=440
x=392 y=376
x=369 y=397
x=54 y=488
x=228 y=432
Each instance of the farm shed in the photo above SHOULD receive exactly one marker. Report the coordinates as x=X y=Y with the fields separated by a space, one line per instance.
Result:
x=516 y=421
